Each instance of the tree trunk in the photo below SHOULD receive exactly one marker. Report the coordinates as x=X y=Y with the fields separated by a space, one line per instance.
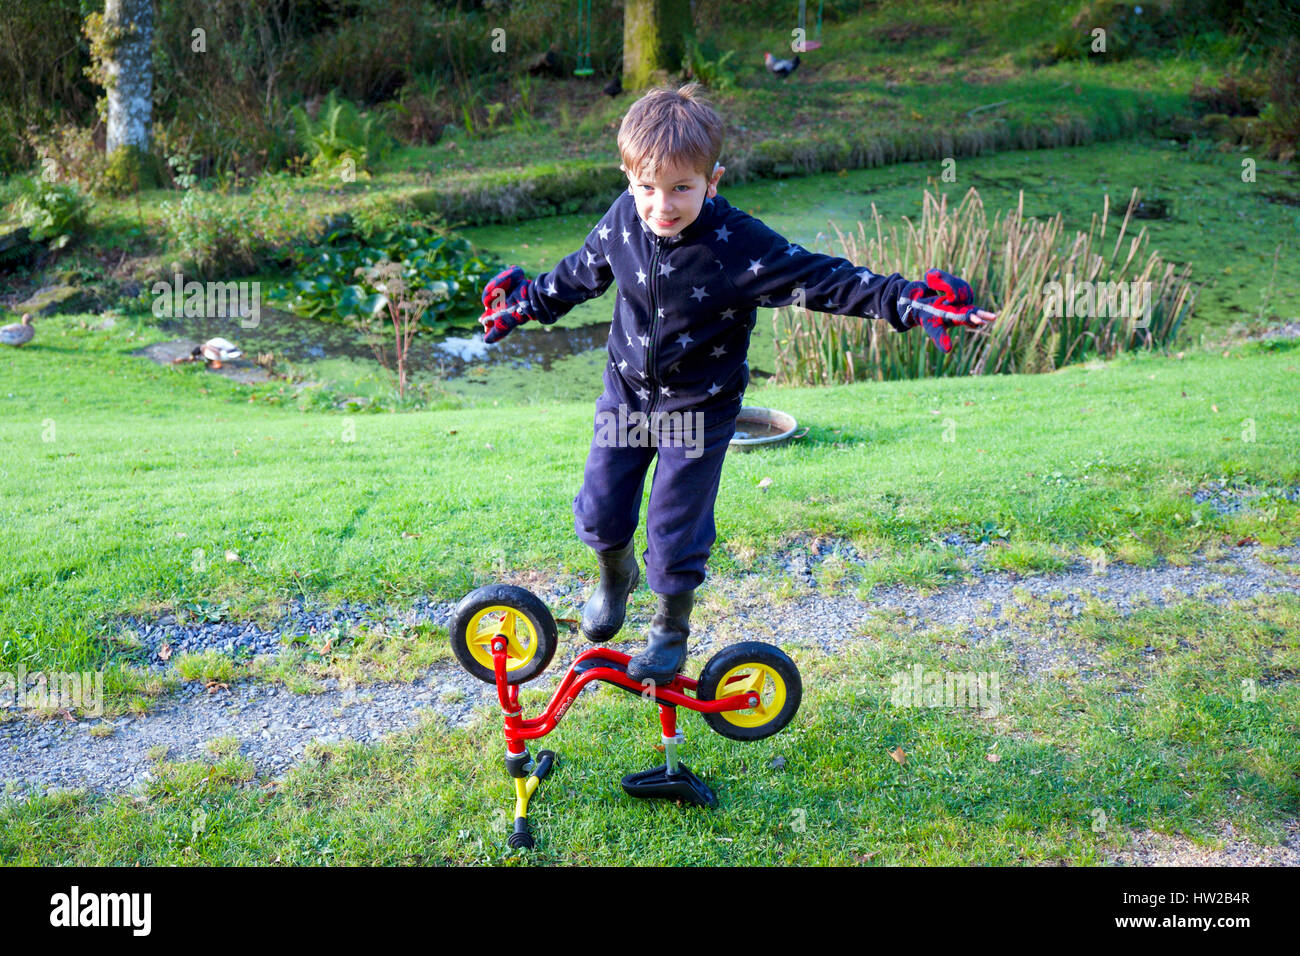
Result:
x=129 y=68
x=654 y=40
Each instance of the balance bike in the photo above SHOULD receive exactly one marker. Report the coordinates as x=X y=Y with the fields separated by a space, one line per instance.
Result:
x=505 y=635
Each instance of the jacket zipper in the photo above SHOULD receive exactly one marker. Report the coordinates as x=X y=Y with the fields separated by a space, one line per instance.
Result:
x=654 y=319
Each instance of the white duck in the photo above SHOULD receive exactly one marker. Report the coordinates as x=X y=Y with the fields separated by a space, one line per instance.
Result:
x=213 y=352
x=19 y=333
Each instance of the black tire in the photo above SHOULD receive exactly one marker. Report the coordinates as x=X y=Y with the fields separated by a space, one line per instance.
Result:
x=737 y=655
x=524 y=603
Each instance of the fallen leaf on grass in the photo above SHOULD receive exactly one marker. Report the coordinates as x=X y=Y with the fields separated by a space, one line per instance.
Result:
x=899 y=755
x=232 y=556
x=409 y=534
x=992 y=758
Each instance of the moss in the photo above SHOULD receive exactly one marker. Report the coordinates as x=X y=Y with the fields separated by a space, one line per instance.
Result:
x=129 y=170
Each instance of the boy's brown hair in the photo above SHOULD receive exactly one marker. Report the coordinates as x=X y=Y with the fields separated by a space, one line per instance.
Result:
x=670 y=126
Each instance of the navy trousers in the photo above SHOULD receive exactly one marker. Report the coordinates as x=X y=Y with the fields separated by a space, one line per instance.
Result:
x=679 y=521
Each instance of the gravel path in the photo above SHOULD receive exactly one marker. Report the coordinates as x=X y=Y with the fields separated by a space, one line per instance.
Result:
x=1228 y=848
x=273 y=726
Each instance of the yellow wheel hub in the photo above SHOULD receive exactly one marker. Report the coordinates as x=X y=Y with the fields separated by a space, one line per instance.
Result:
x=753 y=680
x=521 y=637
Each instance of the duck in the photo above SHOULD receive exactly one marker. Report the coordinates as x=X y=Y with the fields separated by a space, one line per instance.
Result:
x=19 y=333
x=781 y=68
x=213 y=352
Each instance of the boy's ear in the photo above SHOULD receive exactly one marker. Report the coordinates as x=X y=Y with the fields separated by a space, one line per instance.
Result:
x=718 y=170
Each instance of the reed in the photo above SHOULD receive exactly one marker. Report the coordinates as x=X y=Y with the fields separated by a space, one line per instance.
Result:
x=1060 y=299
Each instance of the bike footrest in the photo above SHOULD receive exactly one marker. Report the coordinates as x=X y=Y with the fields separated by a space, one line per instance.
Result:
x=660 y=784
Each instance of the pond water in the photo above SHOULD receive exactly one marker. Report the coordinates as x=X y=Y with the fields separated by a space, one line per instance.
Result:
x=449 y=354
x=1195 y=207
x=510 y=370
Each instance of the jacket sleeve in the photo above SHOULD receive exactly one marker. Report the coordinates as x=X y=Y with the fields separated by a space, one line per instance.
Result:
x=768 y=271
x=579 y=276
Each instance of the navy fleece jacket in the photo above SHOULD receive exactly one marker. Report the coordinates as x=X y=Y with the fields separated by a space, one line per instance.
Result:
x=686 y=303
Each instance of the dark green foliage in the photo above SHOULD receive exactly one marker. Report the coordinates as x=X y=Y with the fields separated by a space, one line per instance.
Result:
x=327 y=286
x=55 y=211
x=339 y=133
x=1280 y=117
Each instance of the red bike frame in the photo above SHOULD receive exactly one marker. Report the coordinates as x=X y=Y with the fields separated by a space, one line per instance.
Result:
x=669 y=697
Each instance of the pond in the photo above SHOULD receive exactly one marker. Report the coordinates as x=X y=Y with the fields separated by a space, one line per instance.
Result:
x=1196 y=207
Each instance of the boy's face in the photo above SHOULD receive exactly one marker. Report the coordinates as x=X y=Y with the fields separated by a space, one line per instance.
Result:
x=672 y=200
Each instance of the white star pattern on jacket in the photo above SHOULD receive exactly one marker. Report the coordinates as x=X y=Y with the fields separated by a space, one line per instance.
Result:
x=684 y=339
x=698 y=293
x=666 y=267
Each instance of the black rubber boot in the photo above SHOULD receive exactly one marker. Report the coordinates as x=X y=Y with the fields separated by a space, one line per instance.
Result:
x=665 y=652
x=602 y=616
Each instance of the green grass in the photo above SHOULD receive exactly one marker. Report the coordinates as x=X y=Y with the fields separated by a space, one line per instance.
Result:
x=1167 y=742
x=123 y=486
x=125 y=483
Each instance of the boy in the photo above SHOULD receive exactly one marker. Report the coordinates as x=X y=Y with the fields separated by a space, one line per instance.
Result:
x=691 y=270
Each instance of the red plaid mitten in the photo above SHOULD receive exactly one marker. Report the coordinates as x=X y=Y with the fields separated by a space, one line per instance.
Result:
x=505 y=303
x=938 y=303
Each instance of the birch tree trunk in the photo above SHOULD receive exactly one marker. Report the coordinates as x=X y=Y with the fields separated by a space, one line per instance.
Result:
x=654 y=40
x=129 y=69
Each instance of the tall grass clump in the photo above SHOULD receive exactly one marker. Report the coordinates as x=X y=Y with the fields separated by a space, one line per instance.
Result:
x=1059 y=299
